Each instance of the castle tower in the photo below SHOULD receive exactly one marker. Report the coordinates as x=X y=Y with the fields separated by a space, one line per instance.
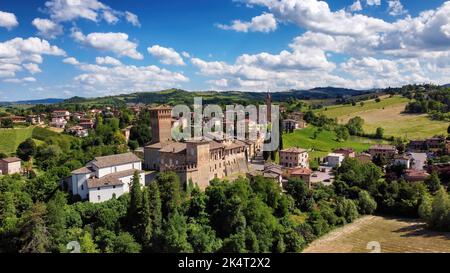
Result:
x=161 y=123
x=269 y=106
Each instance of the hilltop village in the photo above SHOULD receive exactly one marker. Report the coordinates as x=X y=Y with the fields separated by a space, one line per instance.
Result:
x=119 y=170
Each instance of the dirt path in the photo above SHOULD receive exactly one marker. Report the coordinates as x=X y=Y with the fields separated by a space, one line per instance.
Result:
x=391 y=235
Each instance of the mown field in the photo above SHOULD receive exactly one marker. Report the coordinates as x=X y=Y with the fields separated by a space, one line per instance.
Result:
x=324 y=143
x=392 y=235
x=388 y=114
x=11 y=138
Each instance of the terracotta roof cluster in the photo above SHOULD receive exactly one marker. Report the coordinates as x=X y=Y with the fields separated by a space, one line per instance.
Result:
x=110 y=179
x=113 y=160
x=382 y=147
x=301 y=171
x=10 y=159
x=294 y=150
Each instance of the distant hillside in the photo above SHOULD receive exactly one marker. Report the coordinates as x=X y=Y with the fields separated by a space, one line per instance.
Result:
x=33 y=102
x=177 y=96
x=446 y=85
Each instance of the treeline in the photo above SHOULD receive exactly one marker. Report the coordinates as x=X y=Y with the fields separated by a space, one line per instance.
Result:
x=432 y=100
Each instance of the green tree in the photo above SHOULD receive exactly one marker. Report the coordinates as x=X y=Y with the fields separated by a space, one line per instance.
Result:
x=56 y=220
x=26 y=149
x=170 y=191
x=366 y=204
x=347 y=209
x=34 y=235
x=175 y=237
x=355 y=126
x=440 y=218
x=342 y=133
x=433 y=182
x=426 y=207
x=155 y=206
x=379 y=134
x=125 y=243
x=135 y=208
x=299 y=191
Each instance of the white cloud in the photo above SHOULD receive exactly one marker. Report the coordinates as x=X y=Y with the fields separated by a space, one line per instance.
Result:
x=132 y=18
x=396 y=8
x=47 y=28
x=110 y=17
x=262 y=23
x=115 y=42
x=166 y=55
x=32 y=68
x=23 y=80
x=71 y=60
x=27 y=52
x=92 y=10
x=8 y=20
x=107 y=61
x=124 y=78
x=317 y=16
x=373 y=2
x=356 y=6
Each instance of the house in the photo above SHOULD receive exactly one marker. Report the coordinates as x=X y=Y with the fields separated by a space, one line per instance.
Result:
x=78 y=131
x=403 y=160
x=290 y=125
x=301 y=173
x=86 y=123
x=10 y=165
x=78 y=115
x=413 y=175
x=433 y=143
x=34 y=119
x=347 y=152
x=271 y=171
x=294 y=157
x=58 y=122
x=16 y=119
x=364 y=158
x=335 y=160
x=61 y=114
x=106 y=177
x=384 y=150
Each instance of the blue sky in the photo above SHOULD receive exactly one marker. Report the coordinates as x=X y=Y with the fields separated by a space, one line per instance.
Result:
x=63 y=48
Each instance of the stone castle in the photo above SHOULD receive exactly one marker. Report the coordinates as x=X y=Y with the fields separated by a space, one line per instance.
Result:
x=199 y=161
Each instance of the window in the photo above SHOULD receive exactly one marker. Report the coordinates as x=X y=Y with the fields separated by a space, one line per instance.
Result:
x=98 y=188
x=98 y=197
x=114 y=187
x=82 y=187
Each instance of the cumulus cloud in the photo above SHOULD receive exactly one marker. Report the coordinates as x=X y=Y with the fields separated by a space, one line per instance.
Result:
x=356 y=6
x=20 y=53
x=8 y=20
x=92 y=10
x=47 y=28
x=262 y=23
x=115 y=42
x=107 y=61
x=71 y=60
x=396 y=8
x=373 y=2
x=32 y=68
x=132 y=18
x=22 y=80
x=119 y=78
x=166 y=55
x=317 y=16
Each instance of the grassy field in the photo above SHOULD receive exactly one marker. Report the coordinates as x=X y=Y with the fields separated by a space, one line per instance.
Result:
x=11 y=138
x=324 y=143
x=393 y=235
x=389 y=115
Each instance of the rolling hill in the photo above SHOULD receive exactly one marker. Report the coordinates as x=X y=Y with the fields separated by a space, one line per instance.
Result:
x=177 y=96
x=388 y=114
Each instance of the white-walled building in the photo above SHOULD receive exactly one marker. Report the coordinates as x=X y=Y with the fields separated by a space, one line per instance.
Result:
x=106 y=177
x=335 y=160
